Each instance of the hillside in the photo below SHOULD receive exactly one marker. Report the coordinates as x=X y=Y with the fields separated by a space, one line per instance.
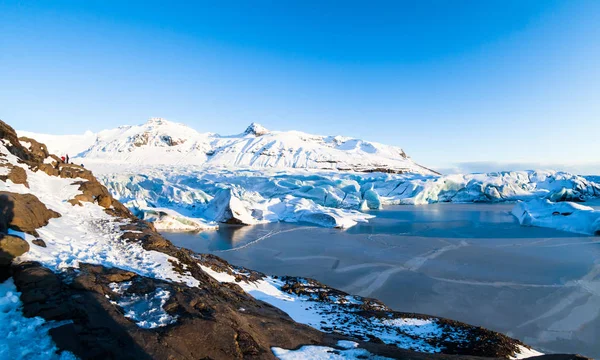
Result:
x=159 y=141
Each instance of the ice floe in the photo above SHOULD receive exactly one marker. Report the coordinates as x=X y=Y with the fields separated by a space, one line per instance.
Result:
x=565 y=216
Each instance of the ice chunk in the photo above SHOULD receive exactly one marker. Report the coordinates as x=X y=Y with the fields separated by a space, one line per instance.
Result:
x=565 y=216
x=228 y=208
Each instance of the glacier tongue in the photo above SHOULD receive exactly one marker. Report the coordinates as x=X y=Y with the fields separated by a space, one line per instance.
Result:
x=197 y=197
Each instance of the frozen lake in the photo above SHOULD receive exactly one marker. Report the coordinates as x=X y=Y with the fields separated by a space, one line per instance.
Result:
x=469 y=262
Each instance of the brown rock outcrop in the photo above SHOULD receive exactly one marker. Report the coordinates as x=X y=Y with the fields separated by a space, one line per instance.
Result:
x=23 y=212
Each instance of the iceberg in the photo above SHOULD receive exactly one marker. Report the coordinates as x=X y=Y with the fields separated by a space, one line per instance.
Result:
x=565 y=216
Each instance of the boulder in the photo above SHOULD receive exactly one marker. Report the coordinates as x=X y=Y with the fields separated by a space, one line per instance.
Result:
x=16 y=174
x=10 y=248
x=23 y=212
x=93 y=191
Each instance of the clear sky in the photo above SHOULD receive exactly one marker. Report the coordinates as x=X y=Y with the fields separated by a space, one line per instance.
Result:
x=468 y=84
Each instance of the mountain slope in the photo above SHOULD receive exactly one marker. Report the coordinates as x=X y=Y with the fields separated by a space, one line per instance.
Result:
x=159 y=141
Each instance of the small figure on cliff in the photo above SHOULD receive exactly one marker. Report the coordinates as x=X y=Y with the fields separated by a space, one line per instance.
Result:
x=67 y=158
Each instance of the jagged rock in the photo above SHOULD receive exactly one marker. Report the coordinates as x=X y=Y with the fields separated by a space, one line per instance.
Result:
x=72 y=171
x=23 y=212
x=39 y=242
x=93 y=191
x=38 y=152
x=11 y=247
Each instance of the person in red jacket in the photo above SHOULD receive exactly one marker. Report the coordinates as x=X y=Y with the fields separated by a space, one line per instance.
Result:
x=62 y=158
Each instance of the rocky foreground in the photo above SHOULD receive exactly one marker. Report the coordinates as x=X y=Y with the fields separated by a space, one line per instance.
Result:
x=104 y=284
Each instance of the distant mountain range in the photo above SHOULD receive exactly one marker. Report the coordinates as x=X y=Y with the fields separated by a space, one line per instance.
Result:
x=159 y=141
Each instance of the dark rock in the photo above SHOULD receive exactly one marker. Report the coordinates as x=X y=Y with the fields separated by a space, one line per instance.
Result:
x=39 y=242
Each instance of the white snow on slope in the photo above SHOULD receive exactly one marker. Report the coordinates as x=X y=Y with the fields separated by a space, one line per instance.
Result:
x=84 y=233
x=21 y=337
x=159 y=141
x=325 y=198
x=406 y=333
x=565 y=216
x=525 y=353
x=349 y=350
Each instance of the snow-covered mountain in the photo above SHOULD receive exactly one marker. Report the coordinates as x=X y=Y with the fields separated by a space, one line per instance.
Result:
x=159 y=141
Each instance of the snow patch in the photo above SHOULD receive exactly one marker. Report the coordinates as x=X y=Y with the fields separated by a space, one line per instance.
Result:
x=349 y=350
x=146 y=310
x=525 y=352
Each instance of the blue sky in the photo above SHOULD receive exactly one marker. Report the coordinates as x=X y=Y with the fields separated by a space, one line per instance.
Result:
x=458 y=84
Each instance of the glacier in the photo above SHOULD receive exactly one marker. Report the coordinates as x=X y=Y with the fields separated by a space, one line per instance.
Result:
x=207 y=196
x=181 y=179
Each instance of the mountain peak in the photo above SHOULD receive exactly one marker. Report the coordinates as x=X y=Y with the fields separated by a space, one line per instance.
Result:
x=256 y=129
x=156 y=121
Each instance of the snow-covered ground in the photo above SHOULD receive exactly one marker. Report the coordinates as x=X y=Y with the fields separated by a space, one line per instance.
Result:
x=565 y=216
x=200 y=197
x=83 y=233
x=159 y=141
x=342 y=314
x=348 y=350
